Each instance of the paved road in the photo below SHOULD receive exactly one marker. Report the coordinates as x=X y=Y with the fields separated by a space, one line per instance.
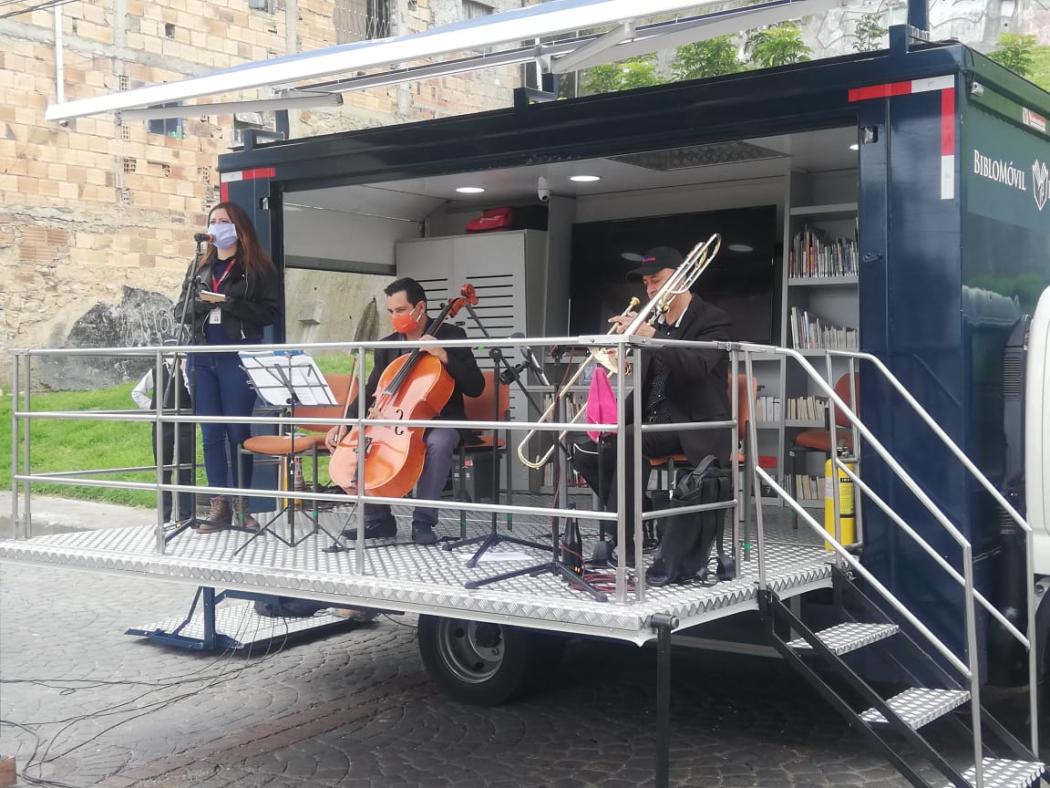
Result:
x=356 y=709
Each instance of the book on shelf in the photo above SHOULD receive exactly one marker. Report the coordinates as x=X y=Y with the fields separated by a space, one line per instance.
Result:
x=807 y=409
x=812 y=332
x=814 y=255
x=768 y=410
x=808 y=488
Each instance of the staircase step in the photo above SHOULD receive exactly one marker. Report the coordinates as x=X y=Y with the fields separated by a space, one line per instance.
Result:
x=919 y=706
x=844 y=638
x=999 y=773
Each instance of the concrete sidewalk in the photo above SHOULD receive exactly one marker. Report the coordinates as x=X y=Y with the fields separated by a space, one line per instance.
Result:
x=52 y=515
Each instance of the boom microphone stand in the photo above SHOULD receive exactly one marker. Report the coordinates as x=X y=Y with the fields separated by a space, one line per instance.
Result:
x=493 y=537
x=555 y=566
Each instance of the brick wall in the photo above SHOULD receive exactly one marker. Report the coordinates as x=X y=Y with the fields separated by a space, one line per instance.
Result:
x=91 y=207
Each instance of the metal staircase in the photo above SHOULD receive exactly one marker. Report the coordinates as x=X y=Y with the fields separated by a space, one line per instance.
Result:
x=904 y=714
x=936 y=688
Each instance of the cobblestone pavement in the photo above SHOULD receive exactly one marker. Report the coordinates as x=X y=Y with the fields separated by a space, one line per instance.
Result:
x=356 y=709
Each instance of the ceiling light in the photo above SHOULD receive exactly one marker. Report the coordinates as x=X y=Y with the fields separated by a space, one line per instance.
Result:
x=585 y=178
x=470 y=190
x=854 y=146
x=742 y=248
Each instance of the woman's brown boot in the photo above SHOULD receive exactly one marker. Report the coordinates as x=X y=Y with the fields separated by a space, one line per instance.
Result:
x=243 y=517
x=218 y=516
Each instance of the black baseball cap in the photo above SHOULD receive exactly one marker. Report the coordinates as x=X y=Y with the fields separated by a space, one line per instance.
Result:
x=656 y=259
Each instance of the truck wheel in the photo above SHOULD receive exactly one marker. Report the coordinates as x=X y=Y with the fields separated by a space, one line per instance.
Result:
x=482 y=664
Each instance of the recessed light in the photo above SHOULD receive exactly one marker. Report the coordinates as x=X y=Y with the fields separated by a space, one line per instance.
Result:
x=742 y=248
x=585 y=178
x=470 y=190
x=854 y=146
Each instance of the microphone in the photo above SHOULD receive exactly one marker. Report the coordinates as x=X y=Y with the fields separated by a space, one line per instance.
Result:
x=530 y=359
x=202 y=238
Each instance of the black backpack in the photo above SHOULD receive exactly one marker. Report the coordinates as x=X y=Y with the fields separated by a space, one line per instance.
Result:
x=287 y=607
x=686 y=539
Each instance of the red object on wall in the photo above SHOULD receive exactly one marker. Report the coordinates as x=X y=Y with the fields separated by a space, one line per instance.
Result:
x=491 y=219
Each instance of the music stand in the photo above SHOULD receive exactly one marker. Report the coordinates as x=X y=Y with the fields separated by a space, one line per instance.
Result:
x=287 y=378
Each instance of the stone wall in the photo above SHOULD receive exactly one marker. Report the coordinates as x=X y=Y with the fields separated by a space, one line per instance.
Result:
x=97 y=206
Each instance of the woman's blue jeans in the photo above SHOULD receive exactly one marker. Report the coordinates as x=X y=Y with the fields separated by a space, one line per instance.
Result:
x=221 y=388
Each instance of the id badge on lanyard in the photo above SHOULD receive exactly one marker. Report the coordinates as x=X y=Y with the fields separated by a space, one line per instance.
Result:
x=215 y=316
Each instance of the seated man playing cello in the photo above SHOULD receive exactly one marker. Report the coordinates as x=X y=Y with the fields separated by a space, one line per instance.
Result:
x=406 y=303
x=678 y=385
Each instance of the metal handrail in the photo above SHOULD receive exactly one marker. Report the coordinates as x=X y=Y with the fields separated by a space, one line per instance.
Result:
x=1033 y=670
x=938 y=431
x=967 y=555
x=24 y=416
x=951 y=570
x=899 y=606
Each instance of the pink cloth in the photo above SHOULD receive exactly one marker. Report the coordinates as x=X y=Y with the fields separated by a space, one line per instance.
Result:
x=601 y=402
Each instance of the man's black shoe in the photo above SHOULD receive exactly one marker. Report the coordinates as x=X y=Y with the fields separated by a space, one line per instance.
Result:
x=423 y=534
x=380 y=529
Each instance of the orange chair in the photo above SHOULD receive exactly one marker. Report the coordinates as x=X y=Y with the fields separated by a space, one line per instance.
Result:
x=484 y=407
x=289 y=447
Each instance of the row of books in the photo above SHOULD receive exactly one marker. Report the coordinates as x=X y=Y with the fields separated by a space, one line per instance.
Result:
x=808 y=409
x=809 y=488
x=814 y=255
x=812 y=332
x=769 y=410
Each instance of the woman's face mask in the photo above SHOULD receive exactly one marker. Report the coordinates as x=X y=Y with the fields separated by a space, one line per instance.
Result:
x=223 y=234
x=406 y=322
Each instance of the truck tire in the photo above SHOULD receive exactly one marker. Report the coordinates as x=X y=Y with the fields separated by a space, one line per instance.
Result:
x=484 y=664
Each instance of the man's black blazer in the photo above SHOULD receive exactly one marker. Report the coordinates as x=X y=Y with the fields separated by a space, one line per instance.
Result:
x=461 y=366
x=698 y=381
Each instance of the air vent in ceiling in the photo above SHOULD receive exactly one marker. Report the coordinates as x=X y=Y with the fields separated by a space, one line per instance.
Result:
x=699 y=156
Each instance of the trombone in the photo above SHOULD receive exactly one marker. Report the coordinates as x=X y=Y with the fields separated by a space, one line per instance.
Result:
x=681 y=281
x=601 y=355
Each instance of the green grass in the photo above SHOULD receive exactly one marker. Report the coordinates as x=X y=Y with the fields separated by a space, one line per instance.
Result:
x=59 y=445
x=95 y=445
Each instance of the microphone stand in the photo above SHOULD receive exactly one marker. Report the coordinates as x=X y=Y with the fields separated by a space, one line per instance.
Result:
x=555 y=566
x=493 y=537
x=190 y=283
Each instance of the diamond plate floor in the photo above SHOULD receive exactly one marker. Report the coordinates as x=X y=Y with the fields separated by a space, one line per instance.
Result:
x=407 y=577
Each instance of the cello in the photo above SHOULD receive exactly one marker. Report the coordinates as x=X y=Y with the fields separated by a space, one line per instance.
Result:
x=414 y=386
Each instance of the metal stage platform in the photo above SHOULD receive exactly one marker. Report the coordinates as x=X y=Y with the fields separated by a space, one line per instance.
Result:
x=405 y=577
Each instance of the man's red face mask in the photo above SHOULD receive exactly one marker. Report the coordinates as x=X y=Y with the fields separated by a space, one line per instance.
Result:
x=406 y=322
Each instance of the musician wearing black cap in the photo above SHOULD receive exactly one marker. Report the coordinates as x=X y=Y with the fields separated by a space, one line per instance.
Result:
x=678 y=385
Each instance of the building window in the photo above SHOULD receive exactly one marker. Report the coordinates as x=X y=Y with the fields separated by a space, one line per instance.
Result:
x=169 y=127
x=357 y=20
x=473 y=9
x=261 y=5
x=169 y=30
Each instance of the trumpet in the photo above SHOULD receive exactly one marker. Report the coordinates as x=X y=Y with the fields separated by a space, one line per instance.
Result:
x=599 y=355
x=678 y=283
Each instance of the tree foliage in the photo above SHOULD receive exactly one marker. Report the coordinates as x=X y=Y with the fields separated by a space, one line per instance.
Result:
x=710 y=58
x=610 y=77
x=777 y=45
x=868 y=33
x=1016 y=52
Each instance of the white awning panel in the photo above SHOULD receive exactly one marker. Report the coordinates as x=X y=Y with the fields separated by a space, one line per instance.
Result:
x=508 y=27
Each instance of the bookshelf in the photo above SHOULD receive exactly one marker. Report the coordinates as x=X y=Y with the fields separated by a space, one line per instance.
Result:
x=820 y=280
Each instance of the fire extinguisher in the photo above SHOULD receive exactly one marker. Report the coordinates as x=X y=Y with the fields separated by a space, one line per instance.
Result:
x=847 y=505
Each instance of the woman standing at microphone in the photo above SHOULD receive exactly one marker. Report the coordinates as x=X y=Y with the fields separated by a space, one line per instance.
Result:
x=235 y=295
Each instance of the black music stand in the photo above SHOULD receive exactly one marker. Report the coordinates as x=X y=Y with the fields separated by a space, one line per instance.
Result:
x=494 y=537
x=286 y=379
